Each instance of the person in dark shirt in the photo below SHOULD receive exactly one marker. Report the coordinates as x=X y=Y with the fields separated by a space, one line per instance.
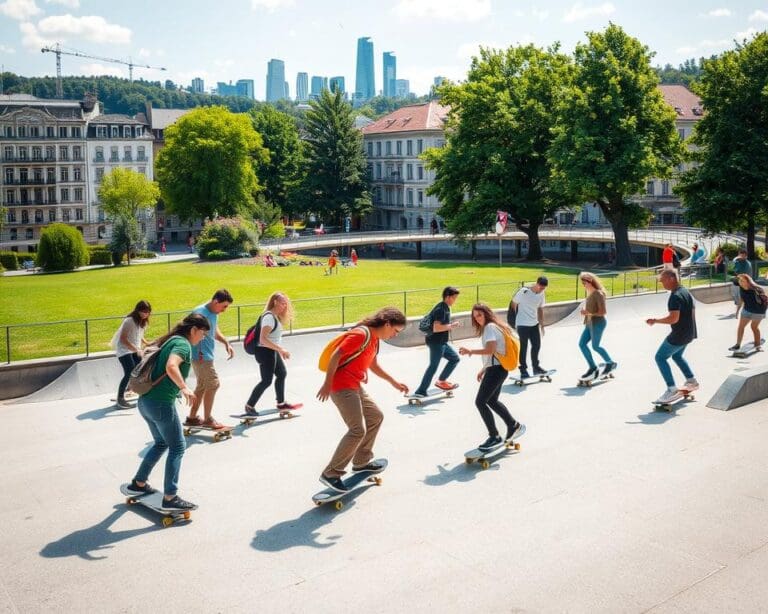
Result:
x=682 y=318
x=753 y=306
x=438 y=344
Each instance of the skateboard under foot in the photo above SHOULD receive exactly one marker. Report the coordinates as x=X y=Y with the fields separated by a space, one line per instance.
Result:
x=541 y=377
x=601 y=376
x=154 y=502
x=746 y=350
x=355 y=481
x=669 y=406
x=218 y=434
x=248 y=419
x=432 y=395
x=484 y=458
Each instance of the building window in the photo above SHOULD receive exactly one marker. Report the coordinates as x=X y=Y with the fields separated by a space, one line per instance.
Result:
x=64 y=153
x=99 y=175
x=65 y=195
x=369 y=166
x=115 y=132
x=681 y=133
x=399 y=148
x=76 y=132
x=99 y=155
x=50 y=132
x=37 y=153
x=34 y=131
x=10 y=197
x=38 y=216
x=370 y=149
x=62 y=132
x=78 y=173
x=24 y=197
x=14 y=233
x=409 y=197
x=378 y=171
x=65 y=213
x=409 y=171
x=30 y=233
x=389 y=148
x=64 y=174
x=126 y=132
x=650 y=188
x=79 y=215
x=50 y=153
x=141 y=156
x=51 y=215
x=127 y=154
x=77 y=153
x=8 y=153
x=138 y=130
x=420 y=173
x=38 y=173
x=419 y=146
x=101 y=132
x=23 y=176
x=25 y=217
x=22 y=153
x=9 y=131
x=22 y=131
x=665 y=188
x=378 y=148
x=409 y=147
x=113 y=153
x=51 y=195
x=78 y=195
x=420 y=197
x=9 y=175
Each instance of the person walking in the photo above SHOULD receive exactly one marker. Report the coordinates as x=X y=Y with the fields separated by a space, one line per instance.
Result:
x=347 y=369
x=682 y=319
x=489 y=327
x=129 y=345
x=158 y=408
x=528 y=305
x=353 y=257
x=668 y=257
x=438 y=344
x=594 y=311
x=270 y=354
x=741 y=266
x=202 y=364
x=753 y=302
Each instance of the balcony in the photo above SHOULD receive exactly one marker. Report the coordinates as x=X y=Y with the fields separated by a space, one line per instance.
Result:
x=99 y=159
x=142 y=159
x=29 y=181
x=393 y=179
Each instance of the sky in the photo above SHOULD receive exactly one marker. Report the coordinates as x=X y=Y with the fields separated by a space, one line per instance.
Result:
x=234 y=39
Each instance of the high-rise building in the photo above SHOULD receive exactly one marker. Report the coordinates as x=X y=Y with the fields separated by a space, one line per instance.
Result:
x=275 y=80
x=245 y=88
x=302 y=87
x=318 y=85
x=365 y=82
x=198 y=85
x=337 y=84
x=287 y=91
x=439 y=81
x=390 y=73
x=226 y=89
x=402 y=88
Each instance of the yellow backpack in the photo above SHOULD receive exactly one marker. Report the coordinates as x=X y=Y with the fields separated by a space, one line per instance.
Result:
x=328 y=350
x=511 y=357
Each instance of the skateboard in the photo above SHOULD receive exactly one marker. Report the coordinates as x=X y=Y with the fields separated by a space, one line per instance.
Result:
x=747 y=350
x=218 y=434
x=131 y=401
x=154 y=502
x=600 y=377
x=542 y=377
x=432 y=395
x=484 y=458
x=248 y=419
x=355 y=481
x=669 y=406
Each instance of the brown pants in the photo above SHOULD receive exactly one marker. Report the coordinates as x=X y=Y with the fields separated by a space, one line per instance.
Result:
x=363 y=419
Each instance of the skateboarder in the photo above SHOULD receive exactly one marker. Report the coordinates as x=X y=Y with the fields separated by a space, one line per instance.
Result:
x=682 y=318
x=202 y=363
x=439 y=346
x=594 y=325
x=489 y=327
x=344 y=386
x=528 y=304
x=740 y=266
x=270 y=354
x=753 y=301
x=129 y=345
x=158 y=408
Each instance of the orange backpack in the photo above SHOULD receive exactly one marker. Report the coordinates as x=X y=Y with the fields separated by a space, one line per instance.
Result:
x=511 y=357
x=328 y=350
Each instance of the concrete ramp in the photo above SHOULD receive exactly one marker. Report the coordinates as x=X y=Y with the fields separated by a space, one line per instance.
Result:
x=741 y=388
x=81 y=379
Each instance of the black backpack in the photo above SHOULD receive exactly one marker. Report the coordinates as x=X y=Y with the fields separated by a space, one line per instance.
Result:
x=425 y=325
x=252 y=335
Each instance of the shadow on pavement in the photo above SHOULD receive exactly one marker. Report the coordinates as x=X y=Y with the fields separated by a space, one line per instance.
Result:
x=459 y=473
x=574 y=391
x=653 y=417
x=417 y=410
x=111 y=411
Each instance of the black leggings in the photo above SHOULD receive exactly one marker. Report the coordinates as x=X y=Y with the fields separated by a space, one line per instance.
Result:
x=270 y=365
x=532 y=334
x=128 y=362
x=488 y=399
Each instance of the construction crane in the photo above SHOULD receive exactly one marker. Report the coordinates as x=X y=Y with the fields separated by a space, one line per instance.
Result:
x=59 y=52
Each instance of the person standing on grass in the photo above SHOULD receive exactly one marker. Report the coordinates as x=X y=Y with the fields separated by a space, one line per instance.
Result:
x=353 y=257
x=202 y=363
x=158 y=408
x=753 y=303
x=129 y=345
x=528 y=305
x=438 y=344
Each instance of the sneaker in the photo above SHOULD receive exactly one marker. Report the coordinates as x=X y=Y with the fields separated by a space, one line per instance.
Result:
x=444 y=385
x=691 y=384
x=289 y=406
x=670 y=394
x=123 y=404
x=134 y=488
x=539 y=371
x=250 y=411
x=334 y=483
x=211 y=423
x=131 y=396
x=609 y=367
x=733 y=348
x=516 y=433
x=190 y=421
x=590 y=374
x=373 y=467
x=177 y=503
x=419 y=394
x=490 y=443
x=524 y=374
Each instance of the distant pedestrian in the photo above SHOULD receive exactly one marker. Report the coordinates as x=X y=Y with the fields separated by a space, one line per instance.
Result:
x=353 y=257
x=667 y=257
x=382 y=250
x=190 y=243
x=433 y=226
x=163 y=247
x=129 y=345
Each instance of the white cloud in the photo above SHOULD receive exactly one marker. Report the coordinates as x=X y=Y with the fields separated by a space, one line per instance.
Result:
x=539 y=14
x=271 y=5
x=224 y=63
x=759 y=16
x=73 y=4
x=579 y=12
x=31 y=38
x=89 y=27
x=20 y=9
x=747 y=34
x=97 y=69
x=447 y=10
x=467 y=51
x=718 y=13
x=5 y=49
x=144 y=53
x=705 y=46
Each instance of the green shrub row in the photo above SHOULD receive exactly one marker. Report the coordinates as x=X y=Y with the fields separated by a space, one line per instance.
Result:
x=10 y=261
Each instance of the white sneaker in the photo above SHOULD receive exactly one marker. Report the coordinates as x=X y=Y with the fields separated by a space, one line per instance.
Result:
x=691 y=384
x=670 y=394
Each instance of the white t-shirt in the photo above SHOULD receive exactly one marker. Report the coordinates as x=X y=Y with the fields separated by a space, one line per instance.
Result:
x=492 y=332
x=528 y=303
x=133 y=332
x=276 y=334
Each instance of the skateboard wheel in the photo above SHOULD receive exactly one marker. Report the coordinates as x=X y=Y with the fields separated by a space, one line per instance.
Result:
x=449 y=394
x=468 y=461
x=130 y=501
x=167 y=521
x=187 y=432
x=376 y=481
x=187 y=515
x=339 y=505
x=486 y=464
x=318 y=504
x=517 y=446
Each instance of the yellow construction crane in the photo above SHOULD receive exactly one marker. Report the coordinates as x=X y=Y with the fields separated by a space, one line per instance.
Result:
x=59 y=52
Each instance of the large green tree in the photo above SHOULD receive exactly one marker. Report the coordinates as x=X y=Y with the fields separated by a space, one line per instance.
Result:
x=206 y=168
x=336 y=181
x=124 y=194
x=727 y=189
x=614 y=131
x=499 y=131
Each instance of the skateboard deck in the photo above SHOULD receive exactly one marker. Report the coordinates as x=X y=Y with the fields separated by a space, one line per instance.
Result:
x=248 y=419
x=747 y=350
x=669 y=406
x=600 y=377
x=542 y=377
x=356 y=480
x=218 y=434
x=484 y=458
x=154 y=502
x=132 y=402
x=432 y=395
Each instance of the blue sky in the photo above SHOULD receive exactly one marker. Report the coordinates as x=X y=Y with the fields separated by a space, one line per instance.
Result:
x=234 y=39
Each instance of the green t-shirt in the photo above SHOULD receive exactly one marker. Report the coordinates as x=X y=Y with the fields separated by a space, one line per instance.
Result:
x=166 y=390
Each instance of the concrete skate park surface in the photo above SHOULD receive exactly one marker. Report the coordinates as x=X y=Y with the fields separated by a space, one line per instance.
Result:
x=609 y=507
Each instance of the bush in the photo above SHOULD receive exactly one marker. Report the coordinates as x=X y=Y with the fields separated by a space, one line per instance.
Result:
x=99 y=254
x=9 y=260
x=61 y=248
x=275 y=231
x=217 y=254
x=143 y=253
x=230 y=236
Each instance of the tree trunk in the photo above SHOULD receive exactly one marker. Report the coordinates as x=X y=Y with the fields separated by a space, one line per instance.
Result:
x=128 y=252
x=751 y=238
x=621 y=238
x=534 y=243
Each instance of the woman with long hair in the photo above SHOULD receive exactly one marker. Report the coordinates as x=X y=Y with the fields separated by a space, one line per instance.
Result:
x=129 y=345
x=753 y=306
x=490 y=329
x=347 y=369
x=270 y=354
x=158 y=408
x=594 y=311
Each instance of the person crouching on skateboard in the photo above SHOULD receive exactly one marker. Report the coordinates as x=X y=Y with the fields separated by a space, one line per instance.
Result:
x=438 y=343
x=343 y=379
x=594 y=325
x=158 y=408
x=489 y=327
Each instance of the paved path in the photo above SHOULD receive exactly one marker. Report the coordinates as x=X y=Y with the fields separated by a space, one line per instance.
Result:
x=609 y=507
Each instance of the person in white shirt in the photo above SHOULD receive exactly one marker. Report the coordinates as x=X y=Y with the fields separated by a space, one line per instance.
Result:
x=129 y=345
x=528 y=307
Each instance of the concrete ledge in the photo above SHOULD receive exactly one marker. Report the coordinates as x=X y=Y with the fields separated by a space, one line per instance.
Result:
x=713 y=294
x=741 y=388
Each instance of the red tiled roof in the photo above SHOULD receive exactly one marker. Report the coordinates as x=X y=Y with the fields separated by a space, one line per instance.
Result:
x=684 y=101
x=414 y=118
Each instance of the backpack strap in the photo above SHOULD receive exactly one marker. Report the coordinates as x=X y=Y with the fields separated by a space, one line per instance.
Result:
x=359 y=350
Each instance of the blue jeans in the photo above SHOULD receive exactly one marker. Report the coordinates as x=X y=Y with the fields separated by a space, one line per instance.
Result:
x=664 y=353
x=165 y=426
x=594 y=332
x=438 y=351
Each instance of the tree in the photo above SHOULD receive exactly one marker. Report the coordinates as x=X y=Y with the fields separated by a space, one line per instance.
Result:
x=125 y=237
x=499 y=131
x=281 y=172
x=206 y=168
x=614 y=131
x=336 y=182
x=61 y=248
x=728 y=188
x=124 y=194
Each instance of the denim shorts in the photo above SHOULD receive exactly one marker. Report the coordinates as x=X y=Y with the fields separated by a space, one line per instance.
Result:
x=748 y=315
